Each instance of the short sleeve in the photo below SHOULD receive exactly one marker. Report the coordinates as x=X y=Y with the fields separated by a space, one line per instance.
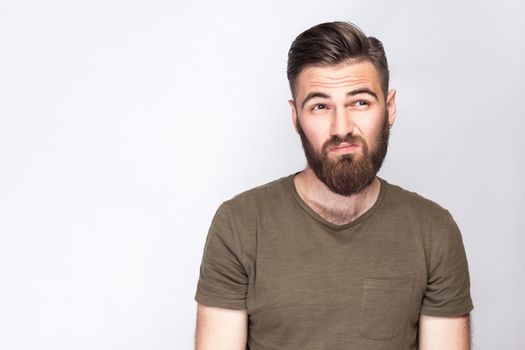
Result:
x=223 y=280
x=448 y=283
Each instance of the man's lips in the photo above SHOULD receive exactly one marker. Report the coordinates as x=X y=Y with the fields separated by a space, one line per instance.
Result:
x=343 y=147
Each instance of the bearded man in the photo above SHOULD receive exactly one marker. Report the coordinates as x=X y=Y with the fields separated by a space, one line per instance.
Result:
x=334 y=257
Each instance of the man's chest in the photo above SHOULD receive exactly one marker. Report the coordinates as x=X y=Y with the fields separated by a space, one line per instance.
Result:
x=366 y=284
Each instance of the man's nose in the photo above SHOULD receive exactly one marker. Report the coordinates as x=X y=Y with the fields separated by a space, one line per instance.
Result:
x=342 y=123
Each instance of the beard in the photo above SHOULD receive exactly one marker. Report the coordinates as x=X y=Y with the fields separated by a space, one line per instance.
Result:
x=347 y=174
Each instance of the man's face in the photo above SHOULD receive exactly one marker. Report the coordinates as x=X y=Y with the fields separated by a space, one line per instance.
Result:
x=343 y=119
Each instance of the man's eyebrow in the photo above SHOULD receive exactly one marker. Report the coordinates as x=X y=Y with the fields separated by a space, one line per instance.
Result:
x=363 y=91
x=313 y=94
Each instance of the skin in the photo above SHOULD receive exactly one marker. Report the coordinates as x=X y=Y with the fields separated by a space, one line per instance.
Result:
x=221 y=329
x=436 y=333
x=334 y=100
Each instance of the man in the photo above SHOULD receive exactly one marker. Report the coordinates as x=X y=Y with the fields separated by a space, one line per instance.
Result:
x=334 y=257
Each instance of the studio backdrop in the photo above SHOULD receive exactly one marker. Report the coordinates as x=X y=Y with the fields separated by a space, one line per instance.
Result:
x=125 y=124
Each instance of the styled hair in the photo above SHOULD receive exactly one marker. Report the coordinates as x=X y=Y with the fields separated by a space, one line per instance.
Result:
x=334 y=43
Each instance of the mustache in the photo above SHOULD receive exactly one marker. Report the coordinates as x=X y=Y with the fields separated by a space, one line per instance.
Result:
x=336 y=140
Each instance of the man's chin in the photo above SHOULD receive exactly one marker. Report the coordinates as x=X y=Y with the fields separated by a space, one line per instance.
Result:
x=343 y=160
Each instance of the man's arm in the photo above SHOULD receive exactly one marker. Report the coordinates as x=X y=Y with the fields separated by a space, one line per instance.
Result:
x=451 y=333
x=221 y=329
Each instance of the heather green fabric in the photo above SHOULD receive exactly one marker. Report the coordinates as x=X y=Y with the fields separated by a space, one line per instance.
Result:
x=310 y=284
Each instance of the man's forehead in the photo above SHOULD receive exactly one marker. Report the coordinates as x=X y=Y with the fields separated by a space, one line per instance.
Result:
x=348 y=74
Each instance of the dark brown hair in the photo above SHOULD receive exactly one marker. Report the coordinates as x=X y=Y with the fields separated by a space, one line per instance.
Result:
x=333 y=43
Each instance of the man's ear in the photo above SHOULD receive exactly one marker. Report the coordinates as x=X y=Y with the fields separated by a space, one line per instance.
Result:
x=294 y=114
x=391 y=107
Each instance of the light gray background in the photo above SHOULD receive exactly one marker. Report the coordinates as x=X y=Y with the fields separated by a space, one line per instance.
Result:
x=124 y=124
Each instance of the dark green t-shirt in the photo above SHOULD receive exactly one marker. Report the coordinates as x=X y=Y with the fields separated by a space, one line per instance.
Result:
x=310 y=284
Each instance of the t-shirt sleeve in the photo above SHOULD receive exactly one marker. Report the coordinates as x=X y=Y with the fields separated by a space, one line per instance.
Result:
x=223 y=281
x=448 y=284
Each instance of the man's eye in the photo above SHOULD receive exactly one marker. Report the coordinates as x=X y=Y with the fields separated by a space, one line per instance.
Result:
x=361 y=103
x=318 y=107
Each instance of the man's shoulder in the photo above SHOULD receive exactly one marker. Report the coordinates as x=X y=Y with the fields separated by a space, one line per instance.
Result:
x=433 y=222
x=256 y=198
x=410 y=201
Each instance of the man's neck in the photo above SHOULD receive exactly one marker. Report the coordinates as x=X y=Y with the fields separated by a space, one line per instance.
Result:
x=331 y=206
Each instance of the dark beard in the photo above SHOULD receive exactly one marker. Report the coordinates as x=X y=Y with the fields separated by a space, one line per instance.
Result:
x=350 y=173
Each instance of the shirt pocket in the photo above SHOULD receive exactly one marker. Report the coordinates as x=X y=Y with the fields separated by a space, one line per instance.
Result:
x=384 y=308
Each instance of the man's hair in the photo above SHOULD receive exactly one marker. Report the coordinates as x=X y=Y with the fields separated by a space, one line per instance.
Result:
x=334 y=43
